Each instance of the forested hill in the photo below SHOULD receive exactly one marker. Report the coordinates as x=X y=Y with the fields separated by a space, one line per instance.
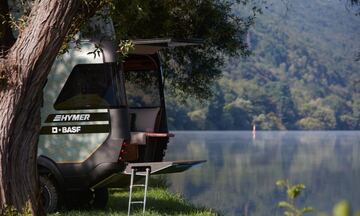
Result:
x=302 y=74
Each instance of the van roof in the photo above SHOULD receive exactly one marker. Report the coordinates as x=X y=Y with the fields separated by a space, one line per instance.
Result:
x=151 y=46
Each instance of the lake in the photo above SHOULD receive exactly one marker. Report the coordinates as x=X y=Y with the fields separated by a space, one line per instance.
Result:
x=240 y=173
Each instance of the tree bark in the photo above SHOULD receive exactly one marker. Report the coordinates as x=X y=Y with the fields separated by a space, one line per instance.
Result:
x=25 y=70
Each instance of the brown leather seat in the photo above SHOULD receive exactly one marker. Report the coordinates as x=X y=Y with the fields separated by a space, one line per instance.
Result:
x=143 y=120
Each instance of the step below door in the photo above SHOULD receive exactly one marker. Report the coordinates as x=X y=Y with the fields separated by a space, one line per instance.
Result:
x=122 y=179
x=163 y=167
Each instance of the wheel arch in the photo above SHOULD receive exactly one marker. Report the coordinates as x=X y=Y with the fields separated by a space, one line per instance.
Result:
x=47 y=166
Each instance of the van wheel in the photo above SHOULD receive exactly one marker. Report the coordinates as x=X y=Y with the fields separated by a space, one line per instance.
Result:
x=49 y=194
x=101 y=197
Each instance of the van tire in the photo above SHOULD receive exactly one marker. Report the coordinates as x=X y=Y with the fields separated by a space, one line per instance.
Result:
x=101 y=197
x=49 y=194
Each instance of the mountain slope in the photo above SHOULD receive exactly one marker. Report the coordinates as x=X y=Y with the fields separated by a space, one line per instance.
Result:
x=302 y=74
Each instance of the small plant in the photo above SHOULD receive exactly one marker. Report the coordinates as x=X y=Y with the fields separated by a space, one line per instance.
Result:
x=292 y=191
x=12 y=211
x=342 y=208
x=125 y=47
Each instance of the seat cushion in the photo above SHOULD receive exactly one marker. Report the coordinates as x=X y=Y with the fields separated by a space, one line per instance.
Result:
x=138 y=138
x=144 y=119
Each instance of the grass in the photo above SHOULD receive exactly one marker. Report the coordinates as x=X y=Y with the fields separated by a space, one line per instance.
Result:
x=159 y=202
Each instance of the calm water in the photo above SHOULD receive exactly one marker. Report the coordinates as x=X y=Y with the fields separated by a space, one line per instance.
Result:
x=240 y=174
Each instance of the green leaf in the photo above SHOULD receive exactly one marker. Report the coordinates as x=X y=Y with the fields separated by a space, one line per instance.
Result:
x=284 y=204
x=286 y=213
x=342 y=209
x=281 y=183
x=295 y=190
x=307 y=209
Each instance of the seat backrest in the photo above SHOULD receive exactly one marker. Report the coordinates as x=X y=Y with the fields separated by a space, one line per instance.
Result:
x=143 y=119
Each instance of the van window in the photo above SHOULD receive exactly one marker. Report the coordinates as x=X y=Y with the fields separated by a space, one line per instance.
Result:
x=92 y=86
x=142 y=88
x=142 y=81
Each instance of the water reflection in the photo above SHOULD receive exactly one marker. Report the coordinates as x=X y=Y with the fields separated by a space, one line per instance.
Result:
x=239 y=177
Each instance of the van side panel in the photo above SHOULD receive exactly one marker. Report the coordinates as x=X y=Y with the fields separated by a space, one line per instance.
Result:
x=72 y=147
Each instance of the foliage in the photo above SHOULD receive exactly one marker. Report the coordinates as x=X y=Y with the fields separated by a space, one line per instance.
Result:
x=159 y=202
x=298 y=77
x=189 y=70
x=125 y=47
x=288 y=84
x=293 y=191
x=11 y=211
x=341 y=208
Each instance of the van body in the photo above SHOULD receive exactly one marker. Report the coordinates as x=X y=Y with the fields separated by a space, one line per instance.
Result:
x=100 y=116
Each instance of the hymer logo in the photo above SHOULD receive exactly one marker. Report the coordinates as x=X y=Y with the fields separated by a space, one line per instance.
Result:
x=72 y=117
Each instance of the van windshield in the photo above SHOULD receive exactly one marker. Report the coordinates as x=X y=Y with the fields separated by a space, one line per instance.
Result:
x=92 y=86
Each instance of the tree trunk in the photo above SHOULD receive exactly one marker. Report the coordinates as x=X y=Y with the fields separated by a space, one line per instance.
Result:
x=24 y=72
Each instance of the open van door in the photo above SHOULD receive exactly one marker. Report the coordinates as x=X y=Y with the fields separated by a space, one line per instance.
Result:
x=144 y=87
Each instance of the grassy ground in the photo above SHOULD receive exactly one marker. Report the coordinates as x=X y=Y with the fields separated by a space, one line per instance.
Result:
x=159 y=202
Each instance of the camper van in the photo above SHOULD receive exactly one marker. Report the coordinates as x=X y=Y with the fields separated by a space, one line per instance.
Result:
x=101 y=117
